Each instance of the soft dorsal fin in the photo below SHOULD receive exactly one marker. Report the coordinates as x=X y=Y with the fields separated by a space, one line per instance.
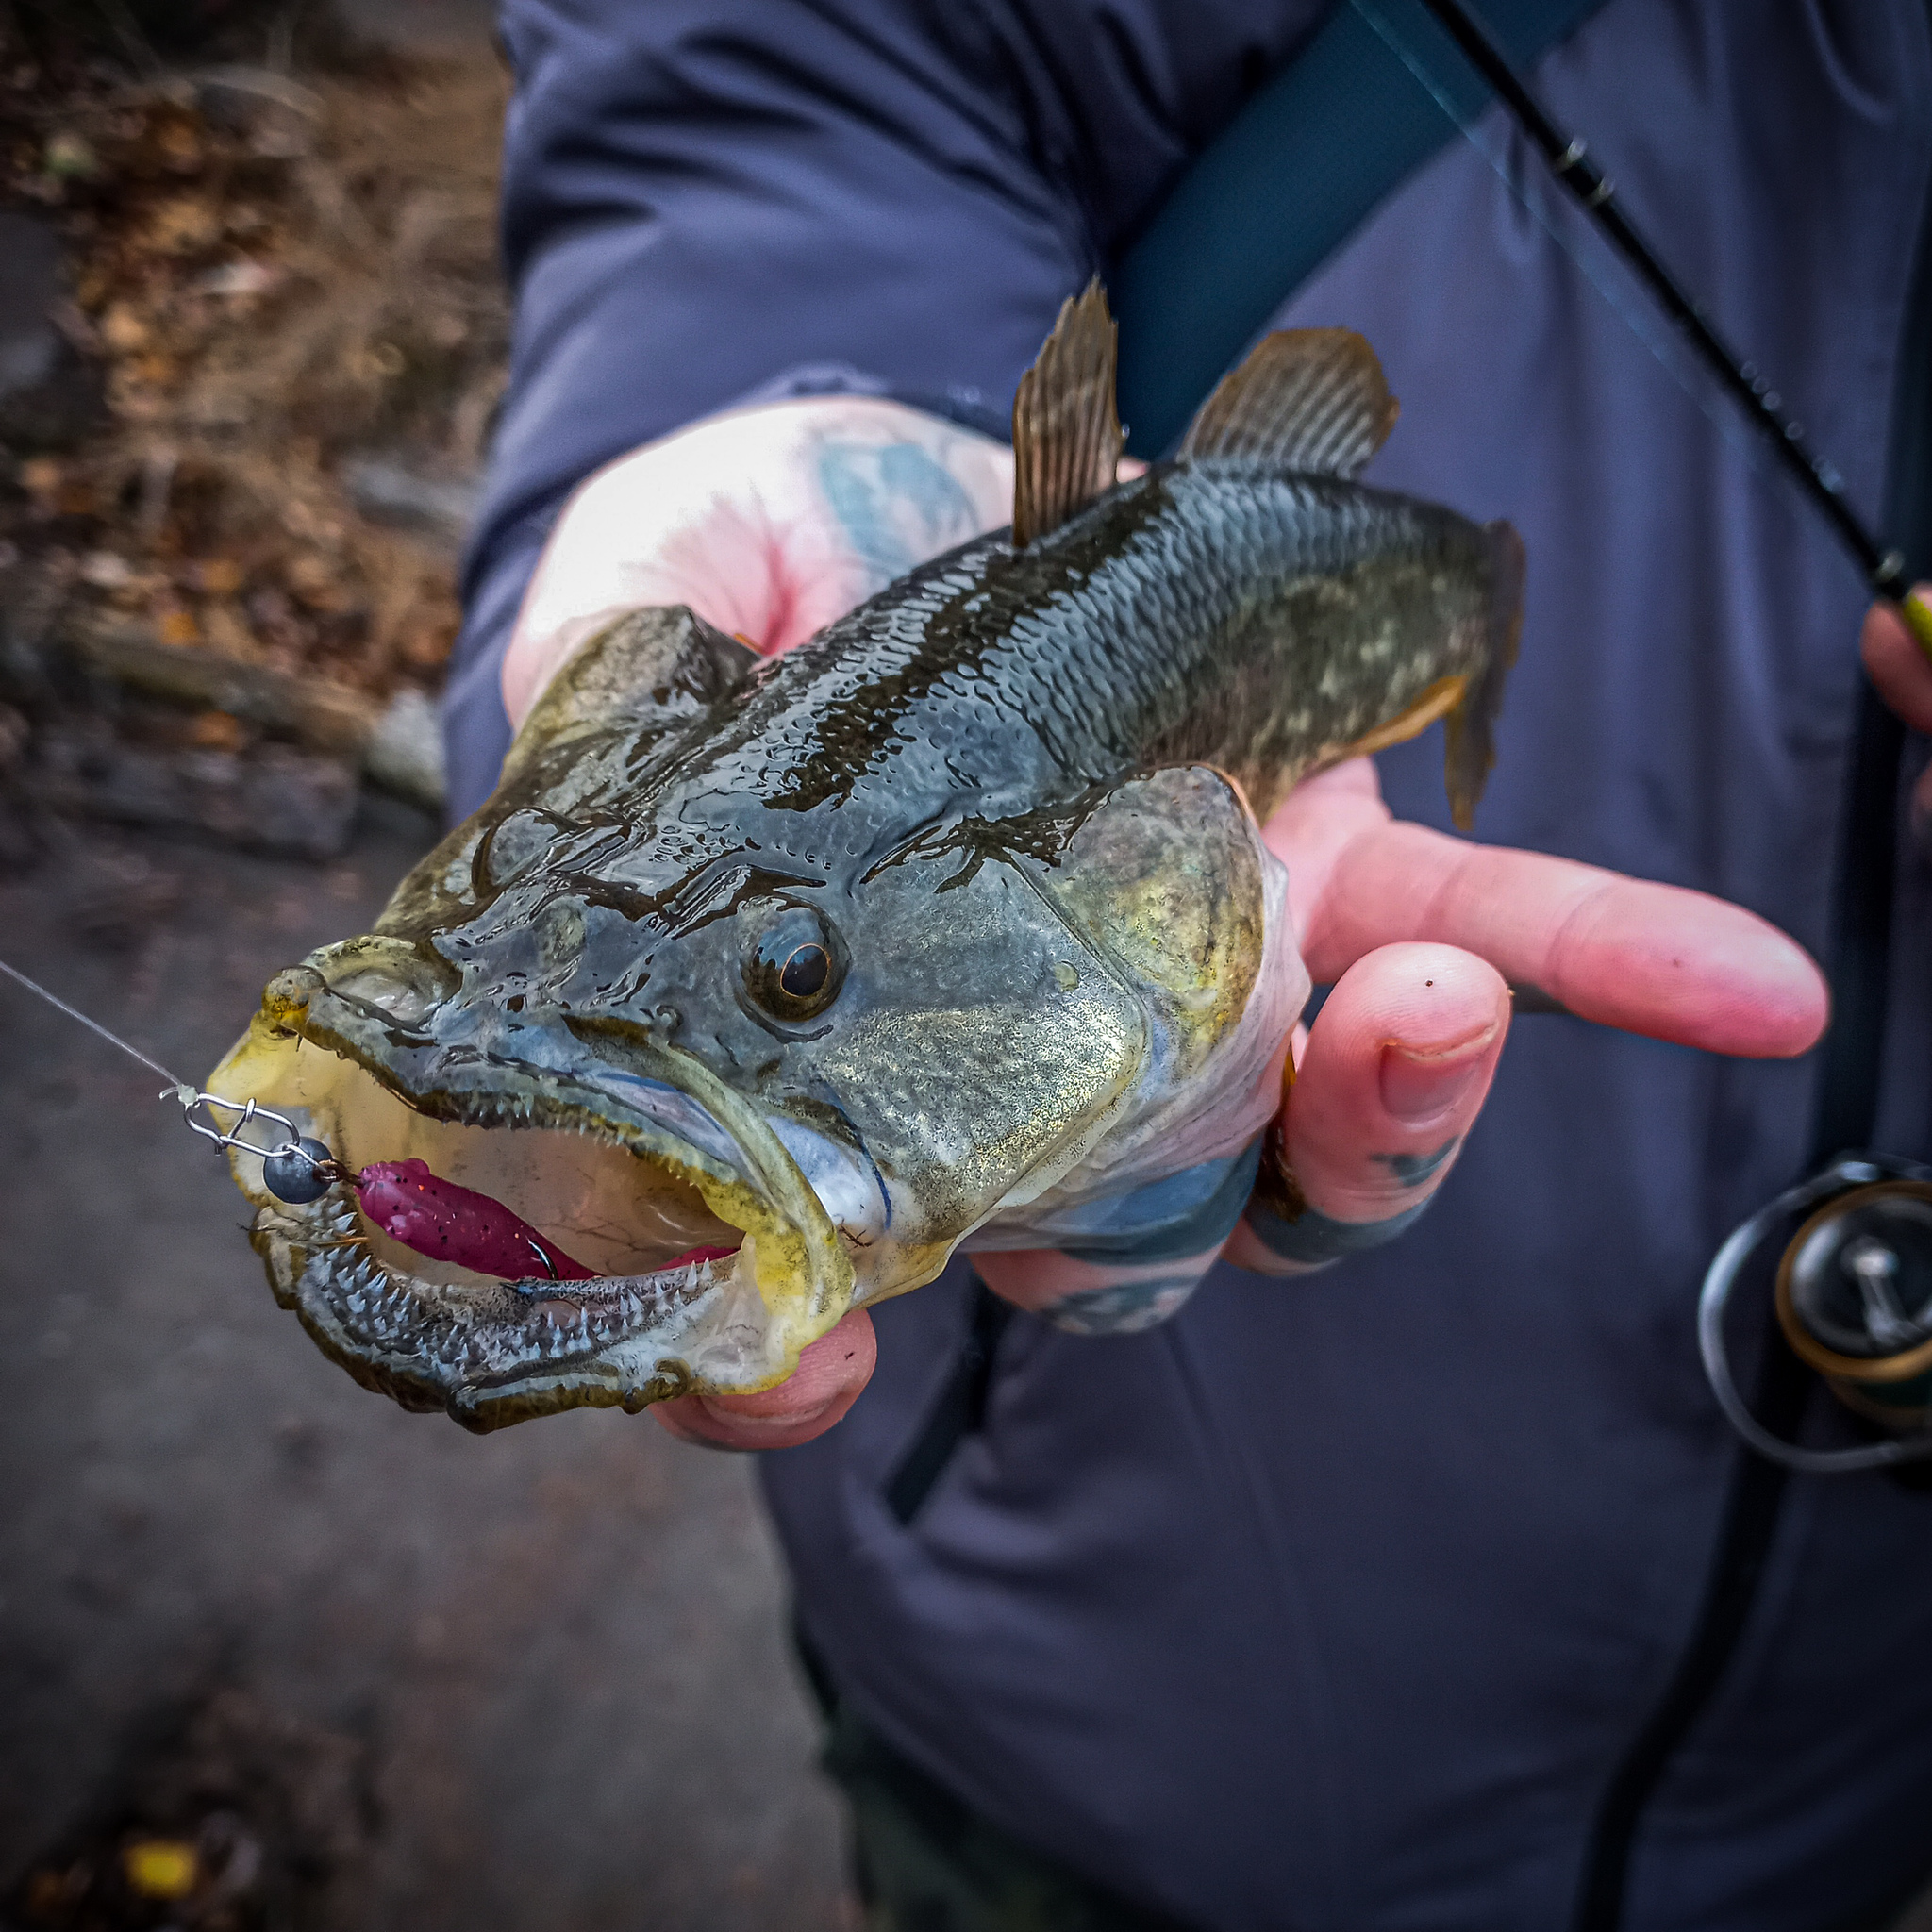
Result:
x=1310 y=399
x=1066 y=430
x=643 y=671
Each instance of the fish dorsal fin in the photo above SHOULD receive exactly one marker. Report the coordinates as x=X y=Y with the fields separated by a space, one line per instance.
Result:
x=1308 y=399
x=643 y=671
x=1066 y=430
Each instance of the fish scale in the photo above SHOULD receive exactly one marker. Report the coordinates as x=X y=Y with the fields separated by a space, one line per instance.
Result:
x=955 y=924
x=1110 y=637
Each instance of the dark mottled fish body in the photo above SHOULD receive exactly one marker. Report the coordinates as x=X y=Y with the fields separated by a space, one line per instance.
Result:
x=1266 y=624
x=758 y=988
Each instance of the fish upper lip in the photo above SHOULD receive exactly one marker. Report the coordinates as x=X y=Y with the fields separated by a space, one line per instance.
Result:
x=524 y=1079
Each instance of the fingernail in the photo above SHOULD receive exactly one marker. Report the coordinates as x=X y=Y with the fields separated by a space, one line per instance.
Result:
x=1420 y=1087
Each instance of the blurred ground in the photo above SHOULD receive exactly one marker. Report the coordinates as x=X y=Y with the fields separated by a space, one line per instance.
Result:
x=389 y=1673
x=271 y=1652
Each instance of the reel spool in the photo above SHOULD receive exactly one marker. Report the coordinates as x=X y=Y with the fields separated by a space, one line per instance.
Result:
x=1854 y=1299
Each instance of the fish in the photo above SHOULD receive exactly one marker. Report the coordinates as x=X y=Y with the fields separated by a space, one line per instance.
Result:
x=761 y=986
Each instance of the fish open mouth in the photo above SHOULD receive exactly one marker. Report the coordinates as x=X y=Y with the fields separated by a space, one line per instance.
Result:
x=711 y=1260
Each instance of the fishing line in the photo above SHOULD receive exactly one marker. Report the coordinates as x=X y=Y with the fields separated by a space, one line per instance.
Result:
x=403 y=1198
x=296 y=1160
x=13 y=972
x=1680 y=337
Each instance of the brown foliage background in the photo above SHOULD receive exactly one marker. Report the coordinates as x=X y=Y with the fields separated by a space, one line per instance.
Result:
x=283 y=273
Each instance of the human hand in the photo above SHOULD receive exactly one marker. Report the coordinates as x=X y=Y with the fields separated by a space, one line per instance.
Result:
x=771 y=522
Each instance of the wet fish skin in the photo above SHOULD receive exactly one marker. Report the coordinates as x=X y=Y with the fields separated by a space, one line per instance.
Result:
x=1265 y=623
x=1014 y=797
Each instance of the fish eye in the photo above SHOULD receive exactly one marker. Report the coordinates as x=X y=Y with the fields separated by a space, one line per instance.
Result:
x=795 y=965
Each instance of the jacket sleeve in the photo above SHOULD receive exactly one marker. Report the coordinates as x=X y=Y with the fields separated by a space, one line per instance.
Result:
x=707 y=199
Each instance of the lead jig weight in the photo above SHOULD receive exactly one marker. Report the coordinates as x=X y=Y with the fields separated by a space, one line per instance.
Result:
x=296 y=1171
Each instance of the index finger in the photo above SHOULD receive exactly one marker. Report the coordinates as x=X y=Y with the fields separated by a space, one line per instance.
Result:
x=1659 y=961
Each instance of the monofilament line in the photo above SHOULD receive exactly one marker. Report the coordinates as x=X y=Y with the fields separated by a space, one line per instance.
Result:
x=92 y=1026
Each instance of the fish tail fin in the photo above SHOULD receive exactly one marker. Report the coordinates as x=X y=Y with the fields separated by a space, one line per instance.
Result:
x=1472 y=725
x=1308 y=399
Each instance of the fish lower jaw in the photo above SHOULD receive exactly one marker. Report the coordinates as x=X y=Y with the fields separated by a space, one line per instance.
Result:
x=493 y=1353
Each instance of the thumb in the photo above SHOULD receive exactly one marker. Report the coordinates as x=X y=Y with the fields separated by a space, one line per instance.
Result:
x=831 y=1374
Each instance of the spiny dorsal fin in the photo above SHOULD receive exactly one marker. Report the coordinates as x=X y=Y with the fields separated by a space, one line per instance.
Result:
x=643 y=671
x=1308 y=399
x=1066 y=432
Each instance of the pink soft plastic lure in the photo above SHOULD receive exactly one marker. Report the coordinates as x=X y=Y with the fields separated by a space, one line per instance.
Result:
x=455 y=1223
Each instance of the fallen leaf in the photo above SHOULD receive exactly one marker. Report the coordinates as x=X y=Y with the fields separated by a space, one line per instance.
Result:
x=217 y=732
x=161 y=1867
x=123 y=330
x=226 y=631
x=181 y=225
x=71 y=158
x=180 y=627
x=181 y=145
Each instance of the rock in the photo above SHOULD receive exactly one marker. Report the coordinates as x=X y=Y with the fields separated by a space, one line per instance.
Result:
x=387 y=493
x=404 y=753
x=271 y=798
x=327 y=716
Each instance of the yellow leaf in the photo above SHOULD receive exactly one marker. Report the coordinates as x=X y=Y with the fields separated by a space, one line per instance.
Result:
x=161 y=1867
x=217 y=732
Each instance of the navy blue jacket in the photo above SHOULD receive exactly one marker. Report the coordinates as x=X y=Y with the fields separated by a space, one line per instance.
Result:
x=1336 y=1604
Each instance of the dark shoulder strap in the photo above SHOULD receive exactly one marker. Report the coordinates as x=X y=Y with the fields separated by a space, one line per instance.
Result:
x=1302 y=165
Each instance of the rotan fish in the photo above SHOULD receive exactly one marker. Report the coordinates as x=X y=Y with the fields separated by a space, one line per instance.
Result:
x=759 y=987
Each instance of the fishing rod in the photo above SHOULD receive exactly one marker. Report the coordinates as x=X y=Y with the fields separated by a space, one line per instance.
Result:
x=1567 y=154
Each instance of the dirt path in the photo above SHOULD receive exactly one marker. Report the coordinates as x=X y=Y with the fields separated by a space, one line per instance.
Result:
x=533 y=1680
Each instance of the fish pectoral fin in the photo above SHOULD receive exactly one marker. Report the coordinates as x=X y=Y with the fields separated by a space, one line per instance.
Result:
x=1308 y=399
x=653 y=666
x=1066 y=429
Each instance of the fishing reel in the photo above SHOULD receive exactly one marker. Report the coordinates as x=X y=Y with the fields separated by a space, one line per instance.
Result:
x=1854 y=1300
